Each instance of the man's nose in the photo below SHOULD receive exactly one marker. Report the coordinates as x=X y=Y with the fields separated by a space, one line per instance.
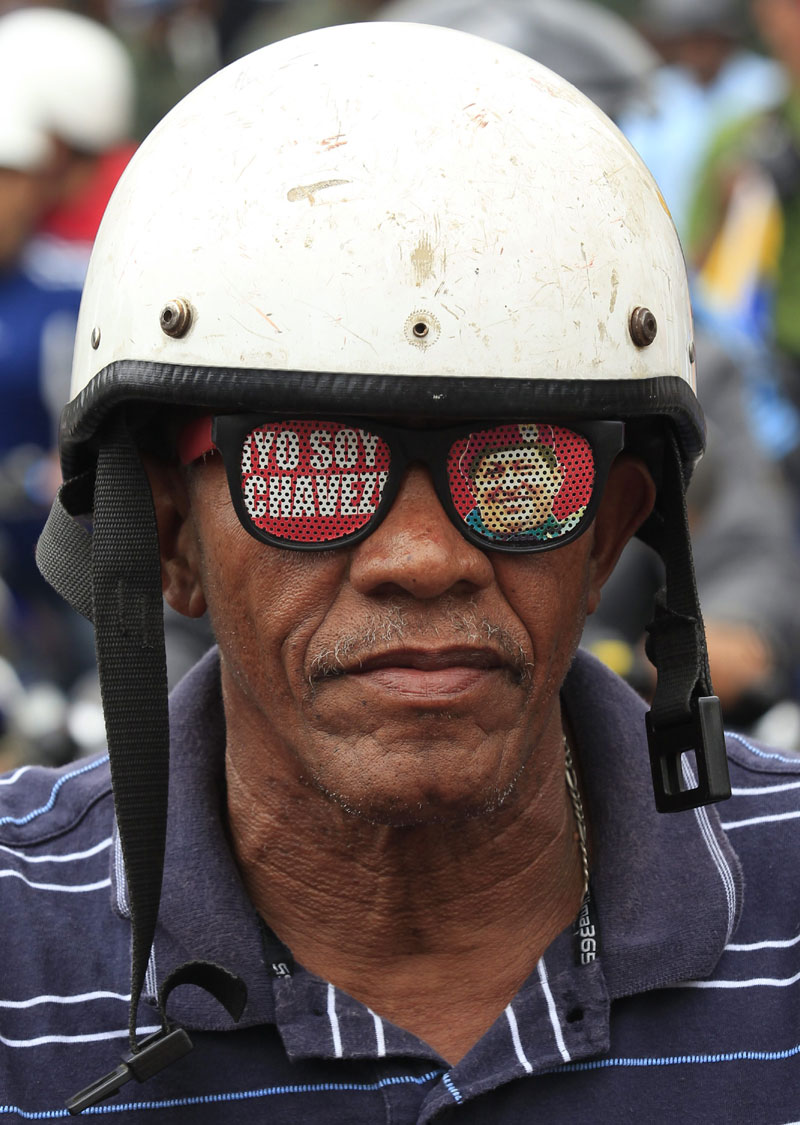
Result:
x=417 y=550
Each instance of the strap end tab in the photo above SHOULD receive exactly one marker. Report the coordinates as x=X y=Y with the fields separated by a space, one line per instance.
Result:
x=702 y=734
x=98 y=1091
x=154 y=1054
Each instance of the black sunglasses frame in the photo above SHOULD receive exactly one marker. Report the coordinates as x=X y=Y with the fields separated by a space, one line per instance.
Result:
x=409 y=446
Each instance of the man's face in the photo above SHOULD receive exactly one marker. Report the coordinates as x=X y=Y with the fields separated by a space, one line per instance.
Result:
x=408 y=678
x=515 y=488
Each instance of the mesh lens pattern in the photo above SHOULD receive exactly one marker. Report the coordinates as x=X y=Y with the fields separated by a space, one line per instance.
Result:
x=309 y=481
x=521 y=483
x=316 y=481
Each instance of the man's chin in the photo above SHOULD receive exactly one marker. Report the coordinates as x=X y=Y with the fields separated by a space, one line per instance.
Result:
x=394 y=810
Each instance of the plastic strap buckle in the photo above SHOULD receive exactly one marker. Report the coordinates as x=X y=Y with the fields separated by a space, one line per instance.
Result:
x=702 y=733
x=155 y=1053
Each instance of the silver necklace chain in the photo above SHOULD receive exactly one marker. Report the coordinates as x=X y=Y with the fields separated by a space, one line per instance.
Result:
x=577 y=811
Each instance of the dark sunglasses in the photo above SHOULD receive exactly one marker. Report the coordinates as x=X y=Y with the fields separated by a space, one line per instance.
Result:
x=318 y=483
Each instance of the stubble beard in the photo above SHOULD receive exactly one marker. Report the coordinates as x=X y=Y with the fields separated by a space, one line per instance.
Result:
x=394 y=626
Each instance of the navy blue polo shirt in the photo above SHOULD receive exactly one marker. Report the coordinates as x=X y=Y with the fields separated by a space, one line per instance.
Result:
x=690 y=1011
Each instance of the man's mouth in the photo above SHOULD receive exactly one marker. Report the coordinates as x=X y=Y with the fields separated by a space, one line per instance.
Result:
x=428 y=673
x=427 y=660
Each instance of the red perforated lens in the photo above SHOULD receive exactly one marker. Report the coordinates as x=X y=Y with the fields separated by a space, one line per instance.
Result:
x=312 y=481
x=521 y=482
x=318 y=482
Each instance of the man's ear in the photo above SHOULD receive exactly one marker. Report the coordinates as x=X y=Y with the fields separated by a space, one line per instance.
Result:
x=627 y=501
x=177 y=540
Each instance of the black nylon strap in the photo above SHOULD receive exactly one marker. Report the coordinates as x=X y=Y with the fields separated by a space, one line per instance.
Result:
x=64 y=550
x=112 y=575
x=226 y=988
x=685 y=717
x=676 y=642
x=129 y=638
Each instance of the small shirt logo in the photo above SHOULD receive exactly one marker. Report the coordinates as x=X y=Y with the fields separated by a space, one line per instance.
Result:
x=586 y=934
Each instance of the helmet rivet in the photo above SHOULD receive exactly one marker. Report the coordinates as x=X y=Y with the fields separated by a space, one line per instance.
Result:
x=94 y=339
x=691 y=351
x=643 y=327
x=176 y=318
x=422 y=328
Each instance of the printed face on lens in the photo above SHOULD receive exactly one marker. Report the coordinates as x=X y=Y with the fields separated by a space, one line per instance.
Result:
x=515 y=488
x=519 y=483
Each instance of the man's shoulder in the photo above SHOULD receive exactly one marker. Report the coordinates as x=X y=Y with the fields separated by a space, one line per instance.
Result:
x=762 y=823
x=752 y=757
x=56 y=849
x=765 y=785
x=66 y=949
x=38 y=804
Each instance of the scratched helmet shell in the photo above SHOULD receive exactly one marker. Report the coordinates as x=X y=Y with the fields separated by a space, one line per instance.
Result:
x=386 y=200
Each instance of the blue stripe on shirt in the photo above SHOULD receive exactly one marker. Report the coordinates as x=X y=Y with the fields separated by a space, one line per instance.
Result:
x=45 y=808
x=235 y=1096
x=681 y=1060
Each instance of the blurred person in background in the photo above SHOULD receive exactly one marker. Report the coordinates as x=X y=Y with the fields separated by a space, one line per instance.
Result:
x=709 y=78
x=587 y=44
x=747 y=582
x=174 y=45
x=271 y=20
x=67 y=91
x=744 y=243
x=68 y=80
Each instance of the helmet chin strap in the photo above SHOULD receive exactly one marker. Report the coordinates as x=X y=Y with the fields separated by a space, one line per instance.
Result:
x=685 y=717
x=123 y=597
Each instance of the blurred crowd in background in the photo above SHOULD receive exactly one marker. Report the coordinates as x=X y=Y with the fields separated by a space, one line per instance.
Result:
x=708 y=93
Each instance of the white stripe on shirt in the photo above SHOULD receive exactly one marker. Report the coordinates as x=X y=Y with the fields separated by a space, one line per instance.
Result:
x=150 y=976
x=762 y=791
x=380 y=1038
x=78 y=998
x=551 y=1008
x=15 y=776
x=729 y=824
x=714 y=849
x=776 y=943
x=91 y=1038
x=334 y=1022
x=754 y=982
x=512 y=1023
x=119 y=876
x=66 y=888
x=58 y=858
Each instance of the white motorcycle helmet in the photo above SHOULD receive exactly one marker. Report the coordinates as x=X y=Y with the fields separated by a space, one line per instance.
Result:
x=375 y=220
x=62 y=76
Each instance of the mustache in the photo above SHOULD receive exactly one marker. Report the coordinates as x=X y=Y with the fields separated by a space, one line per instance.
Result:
x=394 y=627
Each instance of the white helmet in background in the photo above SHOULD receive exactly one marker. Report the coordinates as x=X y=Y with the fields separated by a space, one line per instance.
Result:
x=376 y=220
x=62 y=76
